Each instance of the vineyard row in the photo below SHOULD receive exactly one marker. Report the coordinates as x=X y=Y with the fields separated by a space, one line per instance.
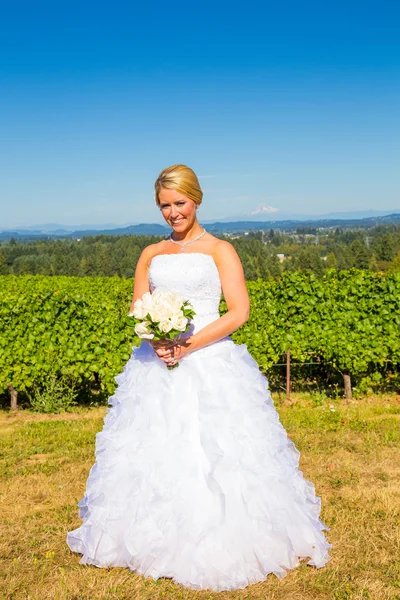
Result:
x=75 y=327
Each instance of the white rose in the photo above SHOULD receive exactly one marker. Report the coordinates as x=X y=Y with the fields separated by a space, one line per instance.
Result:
x=179 y=322
x=147 y=301
x=170 y=309
x=177 y=302
x=157 y=301
x=158 y=295
x=164 y=308
x=164 y=313
x=143 y=331
x=168 y=295
x=138 y=310
x=175 y=298
x=166 y=303
x=157 y=314
x=165 y=326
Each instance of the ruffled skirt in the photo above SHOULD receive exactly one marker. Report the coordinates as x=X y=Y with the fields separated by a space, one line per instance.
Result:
x=195 y=478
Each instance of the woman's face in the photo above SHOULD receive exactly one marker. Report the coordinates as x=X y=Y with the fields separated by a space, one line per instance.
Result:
x=178 y=210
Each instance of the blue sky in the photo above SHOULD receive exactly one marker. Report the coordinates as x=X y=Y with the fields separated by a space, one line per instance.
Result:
x=294 y=105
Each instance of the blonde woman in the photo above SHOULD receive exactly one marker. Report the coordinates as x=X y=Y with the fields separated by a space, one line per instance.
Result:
x=195 y=478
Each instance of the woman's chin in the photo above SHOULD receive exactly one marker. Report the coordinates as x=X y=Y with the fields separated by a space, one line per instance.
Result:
x=178 y=226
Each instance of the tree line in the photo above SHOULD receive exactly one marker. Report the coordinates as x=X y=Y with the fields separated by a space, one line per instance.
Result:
x=306 y=249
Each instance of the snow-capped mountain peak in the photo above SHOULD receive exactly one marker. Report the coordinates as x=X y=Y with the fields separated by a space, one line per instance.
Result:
x=264 y=209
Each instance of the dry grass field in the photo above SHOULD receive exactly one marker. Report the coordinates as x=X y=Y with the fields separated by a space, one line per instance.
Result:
x=350 y=452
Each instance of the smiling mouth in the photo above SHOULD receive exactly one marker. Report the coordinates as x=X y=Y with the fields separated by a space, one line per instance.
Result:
x=176 y=222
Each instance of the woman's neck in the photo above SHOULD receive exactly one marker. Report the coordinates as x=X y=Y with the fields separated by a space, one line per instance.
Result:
x=190 y=233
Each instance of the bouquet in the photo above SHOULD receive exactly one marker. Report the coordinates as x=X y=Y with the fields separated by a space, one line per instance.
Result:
x=161 y=315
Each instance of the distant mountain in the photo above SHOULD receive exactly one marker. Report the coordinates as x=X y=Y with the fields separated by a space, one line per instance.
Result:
x=262 y=213
x=292 y=225
x=269 y=213
x=360 y=214
x=331 y=220
x=57 y=228
x=264 y=209
x=141 y=229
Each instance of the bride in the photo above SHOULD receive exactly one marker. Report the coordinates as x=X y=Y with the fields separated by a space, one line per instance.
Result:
x=195 y=478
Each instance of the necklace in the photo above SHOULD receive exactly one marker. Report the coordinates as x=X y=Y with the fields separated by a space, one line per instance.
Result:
x=182 y=245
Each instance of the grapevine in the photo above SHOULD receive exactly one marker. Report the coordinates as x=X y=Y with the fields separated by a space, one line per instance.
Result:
x=76 y=327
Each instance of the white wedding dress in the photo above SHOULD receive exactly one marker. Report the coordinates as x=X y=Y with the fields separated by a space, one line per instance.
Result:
x=195 y=478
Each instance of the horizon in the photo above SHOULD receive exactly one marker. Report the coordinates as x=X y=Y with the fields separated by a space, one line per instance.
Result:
x=293 y=107
x=54 y=227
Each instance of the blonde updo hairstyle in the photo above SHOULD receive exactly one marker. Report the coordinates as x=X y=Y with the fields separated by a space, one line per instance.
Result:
x=182 y=179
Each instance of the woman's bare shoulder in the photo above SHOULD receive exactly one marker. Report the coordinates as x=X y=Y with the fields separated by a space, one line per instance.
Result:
x=150 y=251
x=222 y=250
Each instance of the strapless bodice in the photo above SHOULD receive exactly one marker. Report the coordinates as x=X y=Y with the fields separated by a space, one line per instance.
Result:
x=195 y=276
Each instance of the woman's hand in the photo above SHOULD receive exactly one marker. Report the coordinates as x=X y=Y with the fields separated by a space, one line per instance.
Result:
x=181 y=349
x=163 y=349
x=171 y=351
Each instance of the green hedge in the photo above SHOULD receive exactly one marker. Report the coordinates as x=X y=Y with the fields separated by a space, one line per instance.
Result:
x=75 y=326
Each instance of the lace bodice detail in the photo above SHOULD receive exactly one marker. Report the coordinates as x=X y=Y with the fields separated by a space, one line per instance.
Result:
x=195 y=276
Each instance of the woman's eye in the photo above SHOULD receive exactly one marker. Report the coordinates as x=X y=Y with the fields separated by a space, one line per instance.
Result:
x=168 y=206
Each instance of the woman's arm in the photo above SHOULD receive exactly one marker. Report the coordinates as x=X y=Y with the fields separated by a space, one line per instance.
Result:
x=237 y=299
x=141 y=282
x=141 y=286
